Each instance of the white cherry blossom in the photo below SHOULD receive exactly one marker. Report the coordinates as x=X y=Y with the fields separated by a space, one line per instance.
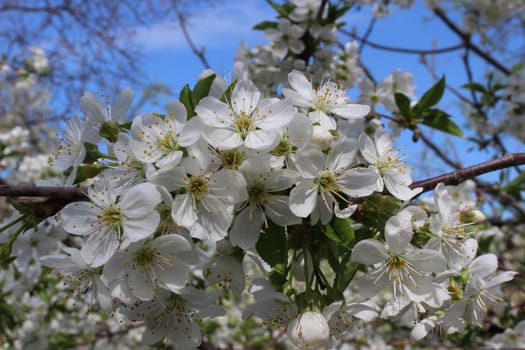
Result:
x=246 y=120
x=380 y=153
x=109 y=222
x=161 y=262
x=397 y=263
x=327 y=179
x=322 y=101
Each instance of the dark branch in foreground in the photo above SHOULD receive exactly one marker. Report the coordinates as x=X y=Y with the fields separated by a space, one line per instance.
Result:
x=451 y=178
x=71 y=193
x=457 y=176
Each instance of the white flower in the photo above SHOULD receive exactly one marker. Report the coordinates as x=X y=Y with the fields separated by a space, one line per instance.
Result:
x=286 y=37
x=71 y=150
x=326 y=179
x=482 y=291
x=247 y=120
x=324 y=100
x=261 y=181
x=274 y=308
x=309 y=330
x=127 y=171
x=511 y=338
x=85 y=280
x=343 y=318
x=399 y=264
x=452 y=236
x=227 y=272
x=147 y=265
x=108 y=222
x=380 y=153
x=161 y=139
x=172 y=316
x=293 y=137
x=92 y=109
x=206 y=207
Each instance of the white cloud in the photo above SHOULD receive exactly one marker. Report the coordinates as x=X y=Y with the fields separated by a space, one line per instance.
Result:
x=214 y=26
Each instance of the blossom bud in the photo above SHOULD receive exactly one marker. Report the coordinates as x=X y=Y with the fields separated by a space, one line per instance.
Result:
x=472 y=217
x=309 y=330
x=321 y=138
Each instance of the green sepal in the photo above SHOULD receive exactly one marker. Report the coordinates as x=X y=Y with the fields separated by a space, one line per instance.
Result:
x=109 y=130
x=92 y=153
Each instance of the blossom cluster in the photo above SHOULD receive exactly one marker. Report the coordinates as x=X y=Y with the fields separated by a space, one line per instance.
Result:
x=276 y=190
x=180 y=201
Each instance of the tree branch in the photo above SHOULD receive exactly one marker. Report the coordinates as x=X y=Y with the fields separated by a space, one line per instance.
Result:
x=457 y=176
x=71 y=193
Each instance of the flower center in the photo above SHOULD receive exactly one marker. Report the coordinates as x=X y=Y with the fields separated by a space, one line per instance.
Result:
x=257 y=193
x=396 y=263
x=168 y=143
x=243 y=124
x=284 y=147
x=197 y=186
x=112 y=217
x=144 y=257
x=326 y=182
x=232 y=159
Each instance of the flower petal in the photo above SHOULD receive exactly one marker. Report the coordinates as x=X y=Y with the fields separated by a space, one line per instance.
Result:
x=369 y=252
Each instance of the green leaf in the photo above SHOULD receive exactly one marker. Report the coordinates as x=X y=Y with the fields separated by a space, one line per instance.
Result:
x=265 y=25
x=440 y=120
x=474 y=87
x=202 y=89
x=272 y=245
x=432 y=96
x=6 y=249
x=283 y=10
x=185 y=99
x=341 y=232
x=402 y=103
x=516 y=186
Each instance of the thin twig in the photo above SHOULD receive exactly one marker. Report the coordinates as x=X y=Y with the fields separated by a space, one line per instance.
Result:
x=466 y=39
x=198 y=52
x=364 y=40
